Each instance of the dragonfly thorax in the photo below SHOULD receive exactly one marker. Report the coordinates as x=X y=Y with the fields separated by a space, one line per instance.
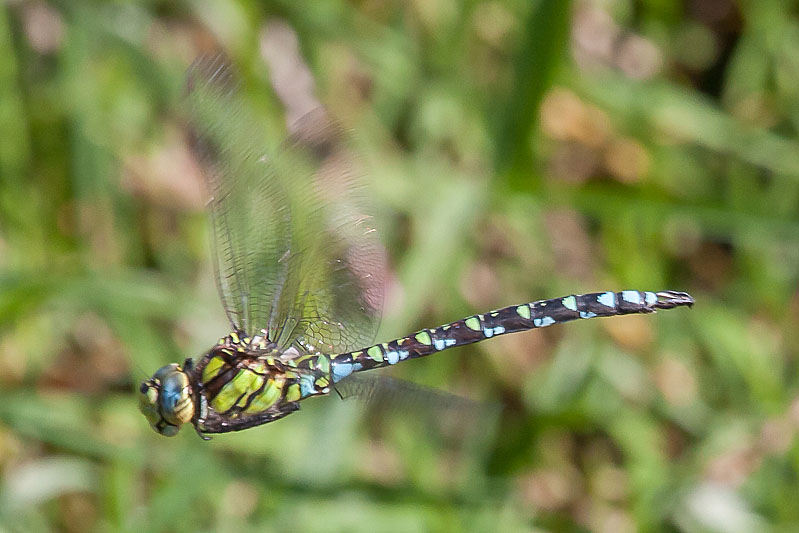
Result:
x=166 y=400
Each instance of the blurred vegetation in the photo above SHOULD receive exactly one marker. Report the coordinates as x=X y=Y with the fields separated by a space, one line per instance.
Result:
x=520 y=150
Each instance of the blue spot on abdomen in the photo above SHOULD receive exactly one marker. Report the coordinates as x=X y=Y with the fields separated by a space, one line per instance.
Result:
x=608 y=299
x=633 y=297
x=543 y=322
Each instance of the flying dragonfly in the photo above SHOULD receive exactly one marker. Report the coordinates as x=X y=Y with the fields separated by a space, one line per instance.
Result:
x=300 y=274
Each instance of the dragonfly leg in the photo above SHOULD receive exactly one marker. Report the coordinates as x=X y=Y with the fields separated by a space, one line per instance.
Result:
x=202 y=435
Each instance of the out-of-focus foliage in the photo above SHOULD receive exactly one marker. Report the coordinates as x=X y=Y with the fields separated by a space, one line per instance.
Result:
x=518 y=150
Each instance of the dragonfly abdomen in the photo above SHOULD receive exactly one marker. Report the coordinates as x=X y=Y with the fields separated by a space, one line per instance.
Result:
x=511 y=319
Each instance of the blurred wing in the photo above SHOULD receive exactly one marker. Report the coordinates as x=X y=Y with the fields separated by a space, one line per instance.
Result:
x=295 y=252
x=417 y=401
x=337 y=264
x=251 y=222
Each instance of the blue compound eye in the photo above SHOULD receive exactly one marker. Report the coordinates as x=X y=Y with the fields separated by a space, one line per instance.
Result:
x=165 y=399
x=173 y=391
x=175 y=401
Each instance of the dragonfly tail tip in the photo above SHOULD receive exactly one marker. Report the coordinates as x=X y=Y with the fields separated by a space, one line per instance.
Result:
x=671 y=299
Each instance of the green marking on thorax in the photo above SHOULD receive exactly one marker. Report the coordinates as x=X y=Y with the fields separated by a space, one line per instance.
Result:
x=243 y=383
x=265 y=399
x=293 y=393
x=247 y=381
x=570 y=302
x=523 y=311
x=424 y=338
x=212 y=368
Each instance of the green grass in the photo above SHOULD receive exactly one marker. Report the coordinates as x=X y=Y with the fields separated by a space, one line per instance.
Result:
x=512 y=158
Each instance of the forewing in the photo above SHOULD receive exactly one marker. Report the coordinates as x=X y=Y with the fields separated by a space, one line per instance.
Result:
x=251 y=221
x=294 y=249
x=337 y=264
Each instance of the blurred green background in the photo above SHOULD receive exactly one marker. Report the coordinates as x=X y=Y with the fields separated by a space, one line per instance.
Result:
x=519 y=150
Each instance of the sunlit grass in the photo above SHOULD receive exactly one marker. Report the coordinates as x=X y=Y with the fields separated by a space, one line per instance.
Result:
x=517 y=151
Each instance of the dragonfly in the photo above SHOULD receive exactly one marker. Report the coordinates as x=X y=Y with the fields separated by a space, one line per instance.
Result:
x=300 y=271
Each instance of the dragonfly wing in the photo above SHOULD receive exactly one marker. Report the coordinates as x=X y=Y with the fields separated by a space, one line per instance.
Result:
x=250 y=217
x=395 y=395
x=295 y=251
x=337 y=264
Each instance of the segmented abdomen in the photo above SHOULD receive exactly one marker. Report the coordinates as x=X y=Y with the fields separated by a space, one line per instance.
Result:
x=511 y=319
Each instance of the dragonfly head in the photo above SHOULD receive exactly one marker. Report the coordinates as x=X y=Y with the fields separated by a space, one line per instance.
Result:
x=166 y=401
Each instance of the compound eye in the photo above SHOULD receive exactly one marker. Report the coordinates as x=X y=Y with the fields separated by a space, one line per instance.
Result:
x=173 y=391
x=165 y=371
x=165 y=400
x=175 y=400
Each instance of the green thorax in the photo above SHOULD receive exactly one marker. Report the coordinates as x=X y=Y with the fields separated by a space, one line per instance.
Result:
x=244 y=376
